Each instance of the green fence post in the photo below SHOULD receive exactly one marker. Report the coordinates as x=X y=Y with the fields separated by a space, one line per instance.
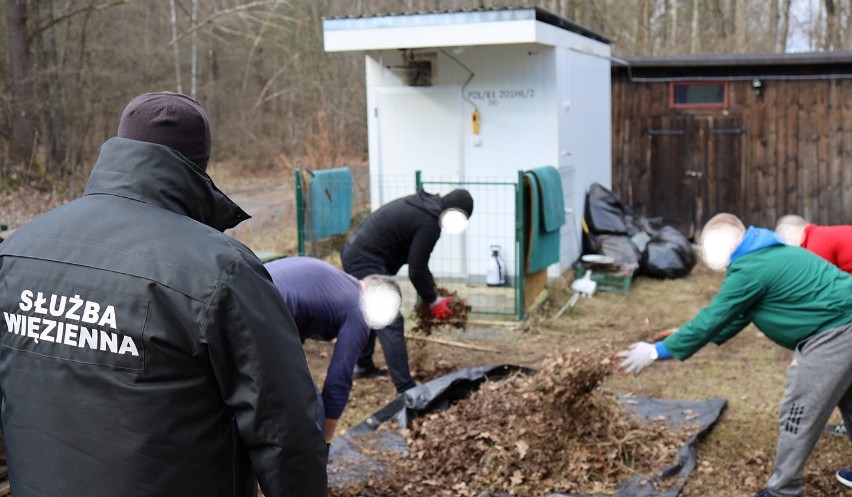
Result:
x=520 y=256
x=300 y=213
x=418 y=182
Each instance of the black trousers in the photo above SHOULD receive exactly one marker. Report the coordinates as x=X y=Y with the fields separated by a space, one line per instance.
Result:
x=392 y=337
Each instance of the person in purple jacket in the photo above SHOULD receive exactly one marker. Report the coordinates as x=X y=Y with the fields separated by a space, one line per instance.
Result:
x=328 y=304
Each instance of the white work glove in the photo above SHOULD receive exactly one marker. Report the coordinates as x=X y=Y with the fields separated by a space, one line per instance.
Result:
x=637 y=357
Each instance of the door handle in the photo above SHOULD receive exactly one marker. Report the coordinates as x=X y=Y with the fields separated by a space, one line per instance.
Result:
x=694 y=174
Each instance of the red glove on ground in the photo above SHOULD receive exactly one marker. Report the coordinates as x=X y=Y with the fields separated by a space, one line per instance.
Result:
x=441 y=309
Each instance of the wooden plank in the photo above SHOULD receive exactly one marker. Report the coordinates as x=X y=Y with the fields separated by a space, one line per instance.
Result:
x=534 y=283
x=792 y=157
x=845 y=214
x=755 y=176
x=452 y=343
x=770 y=113
x=822 y=181
x=808 y=150
x=781 y=153
x=696 y=150
x=832 y=168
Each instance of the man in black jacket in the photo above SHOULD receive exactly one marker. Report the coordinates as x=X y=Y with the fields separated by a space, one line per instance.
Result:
x=145 y=352
x=403 y=231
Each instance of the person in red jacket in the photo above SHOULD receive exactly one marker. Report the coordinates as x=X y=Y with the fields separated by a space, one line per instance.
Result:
x=832 y=243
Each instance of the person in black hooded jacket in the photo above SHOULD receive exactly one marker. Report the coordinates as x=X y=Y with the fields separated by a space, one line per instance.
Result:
x=403 y=231
x=145 y=351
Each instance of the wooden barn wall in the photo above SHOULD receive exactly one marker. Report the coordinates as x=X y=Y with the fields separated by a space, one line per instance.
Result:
x=797 y=143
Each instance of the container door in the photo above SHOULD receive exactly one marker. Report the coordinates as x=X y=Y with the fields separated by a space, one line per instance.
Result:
x=695 y=165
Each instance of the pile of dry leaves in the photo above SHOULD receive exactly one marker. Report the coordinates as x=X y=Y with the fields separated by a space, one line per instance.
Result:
x=426 y=324
x=556 y=431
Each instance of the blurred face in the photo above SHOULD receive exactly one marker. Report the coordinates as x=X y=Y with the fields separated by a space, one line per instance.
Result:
x=791 y=235
x=380 y=305
x=453 y=221
x=717 y=245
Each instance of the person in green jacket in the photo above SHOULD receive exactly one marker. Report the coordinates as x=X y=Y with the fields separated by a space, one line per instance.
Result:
x=799 y=301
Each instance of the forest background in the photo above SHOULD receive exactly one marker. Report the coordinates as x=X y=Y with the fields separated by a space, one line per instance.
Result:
x=275 y=98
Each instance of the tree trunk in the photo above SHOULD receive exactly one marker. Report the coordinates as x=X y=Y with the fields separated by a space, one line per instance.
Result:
x=785 y=26
x=673 y=29
x=173 y=21
x=695 y=44
x=645 y=27
x=21 y=142
x=53 y=113
x=832 y=27
x=772 y=30
x=740 y=27
x=720 y=21
x=194 y=70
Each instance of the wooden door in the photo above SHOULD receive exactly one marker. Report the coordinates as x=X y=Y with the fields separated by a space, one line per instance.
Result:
x=695 y=166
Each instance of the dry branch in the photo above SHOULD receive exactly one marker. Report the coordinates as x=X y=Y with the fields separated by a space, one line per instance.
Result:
x=453 y=343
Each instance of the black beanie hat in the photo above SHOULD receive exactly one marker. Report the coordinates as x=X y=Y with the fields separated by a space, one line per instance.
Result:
x=458 y=199
x=171 y=119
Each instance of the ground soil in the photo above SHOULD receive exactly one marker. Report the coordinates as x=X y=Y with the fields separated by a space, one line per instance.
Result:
x=734 y=460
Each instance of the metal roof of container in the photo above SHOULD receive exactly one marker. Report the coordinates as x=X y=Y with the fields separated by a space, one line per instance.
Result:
x=440 y=28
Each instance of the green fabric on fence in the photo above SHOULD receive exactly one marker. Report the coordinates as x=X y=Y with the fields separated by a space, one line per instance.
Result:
x=330 y=203
x=545 y=215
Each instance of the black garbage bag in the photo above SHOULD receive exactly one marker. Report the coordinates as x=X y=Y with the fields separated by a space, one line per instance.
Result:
x=619 y=247
x=604 y=212
x=350 y=459
x=668 y=254
x=643 y=224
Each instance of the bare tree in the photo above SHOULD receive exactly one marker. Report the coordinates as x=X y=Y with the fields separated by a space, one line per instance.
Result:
x=720 y=24
x=22 y=137
x=194 y=67
x=173 y=20
x=772 y=26
x=52 y=110
x=674 y=30
x=740 y=27
x=260 y=69
x=695 y=37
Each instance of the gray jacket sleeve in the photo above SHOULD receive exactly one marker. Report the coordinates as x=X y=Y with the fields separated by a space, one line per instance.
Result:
x=263 y=377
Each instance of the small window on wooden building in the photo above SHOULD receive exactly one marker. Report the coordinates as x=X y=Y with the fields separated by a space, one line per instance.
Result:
x=698 y=95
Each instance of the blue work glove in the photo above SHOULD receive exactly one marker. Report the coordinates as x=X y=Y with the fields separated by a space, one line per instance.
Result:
x=441 y=309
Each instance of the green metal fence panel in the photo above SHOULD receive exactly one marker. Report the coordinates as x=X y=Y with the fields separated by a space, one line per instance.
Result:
x=300 y=213
x=461 y=263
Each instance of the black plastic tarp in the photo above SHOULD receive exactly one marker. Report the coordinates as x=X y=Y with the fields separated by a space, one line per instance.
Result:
x=350 y=460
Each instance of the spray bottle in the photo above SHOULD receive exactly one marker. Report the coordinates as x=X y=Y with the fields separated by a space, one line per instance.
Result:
x=495 y=274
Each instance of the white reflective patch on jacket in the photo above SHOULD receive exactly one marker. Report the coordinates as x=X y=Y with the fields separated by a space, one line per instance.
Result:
x=70 y=334
x=72 y=322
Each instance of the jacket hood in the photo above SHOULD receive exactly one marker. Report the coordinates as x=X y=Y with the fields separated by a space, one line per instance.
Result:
x=754 y=240
x=157 y=175
x=427 y=202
